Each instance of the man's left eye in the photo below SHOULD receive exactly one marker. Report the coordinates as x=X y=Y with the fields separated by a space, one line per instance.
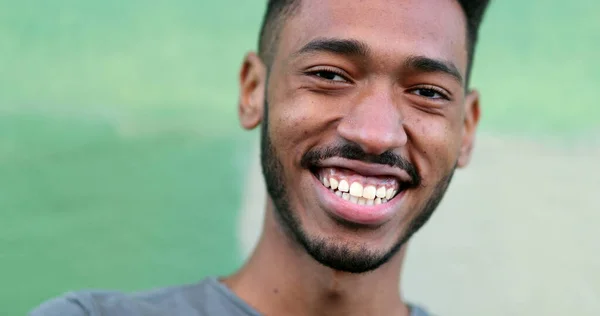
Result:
x=429 y=93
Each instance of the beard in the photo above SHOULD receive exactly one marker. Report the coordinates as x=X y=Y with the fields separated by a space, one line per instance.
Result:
x=328 y=251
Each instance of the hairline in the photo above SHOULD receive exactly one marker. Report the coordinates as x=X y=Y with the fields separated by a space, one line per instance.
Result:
x=267 y=48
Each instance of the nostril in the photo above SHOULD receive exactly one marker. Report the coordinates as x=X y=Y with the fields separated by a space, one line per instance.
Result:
x=374 y=140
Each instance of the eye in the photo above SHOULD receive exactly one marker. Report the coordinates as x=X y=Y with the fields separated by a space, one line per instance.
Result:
x=329 y=75
x=430 y=93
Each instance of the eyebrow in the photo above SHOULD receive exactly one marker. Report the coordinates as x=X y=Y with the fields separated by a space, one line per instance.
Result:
x=426 y=64
x=355 y=48
x=346 y=47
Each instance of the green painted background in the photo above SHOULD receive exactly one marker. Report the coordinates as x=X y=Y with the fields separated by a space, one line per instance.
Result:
x=121 y=161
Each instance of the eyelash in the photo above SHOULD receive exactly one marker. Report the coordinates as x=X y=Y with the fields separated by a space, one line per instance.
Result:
x=443 y=94
x=313 y=73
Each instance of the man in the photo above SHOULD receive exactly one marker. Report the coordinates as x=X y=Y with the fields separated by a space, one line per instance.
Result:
x=365 y=113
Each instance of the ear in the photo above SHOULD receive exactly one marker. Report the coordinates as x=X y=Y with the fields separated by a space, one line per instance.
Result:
x=471 y=121
x=252 y=91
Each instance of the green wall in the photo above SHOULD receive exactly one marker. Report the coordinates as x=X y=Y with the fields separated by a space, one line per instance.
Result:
x=121 y=161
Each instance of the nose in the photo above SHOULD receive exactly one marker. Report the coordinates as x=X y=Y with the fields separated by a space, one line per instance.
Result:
x=374 y=122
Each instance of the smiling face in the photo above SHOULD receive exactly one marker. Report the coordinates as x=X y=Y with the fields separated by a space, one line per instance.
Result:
x=364 y=121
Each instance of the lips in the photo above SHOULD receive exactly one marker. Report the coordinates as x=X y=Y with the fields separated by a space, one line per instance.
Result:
x=367 y=169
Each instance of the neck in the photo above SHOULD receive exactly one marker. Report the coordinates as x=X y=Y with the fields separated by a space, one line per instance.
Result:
x=280 y=278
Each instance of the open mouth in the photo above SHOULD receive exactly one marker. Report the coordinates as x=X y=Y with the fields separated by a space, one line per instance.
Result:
x=356 y=188
x=359 y=192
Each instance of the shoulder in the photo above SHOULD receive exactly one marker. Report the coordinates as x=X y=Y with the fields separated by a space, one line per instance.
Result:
x=418 y=311
x=162 y=301
x=69 y=304
x=90 y=303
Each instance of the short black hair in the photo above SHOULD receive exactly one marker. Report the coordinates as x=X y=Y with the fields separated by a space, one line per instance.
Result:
x=278 y=10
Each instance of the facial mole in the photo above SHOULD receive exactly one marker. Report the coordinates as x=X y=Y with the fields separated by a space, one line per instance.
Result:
x=276 y=290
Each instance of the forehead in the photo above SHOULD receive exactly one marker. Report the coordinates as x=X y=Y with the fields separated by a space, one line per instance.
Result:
x=391 y=28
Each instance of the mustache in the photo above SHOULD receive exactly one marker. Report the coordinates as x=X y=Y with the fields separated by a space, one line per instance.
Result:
x=353 y=151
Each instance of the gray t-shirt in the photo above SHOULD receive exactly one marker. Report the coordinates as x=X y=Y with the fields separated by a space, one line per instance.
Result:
x=207 y=298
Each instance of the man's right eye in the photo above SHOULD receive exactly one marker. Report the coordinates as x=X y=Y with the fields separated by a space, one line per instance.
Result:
x=329 y=75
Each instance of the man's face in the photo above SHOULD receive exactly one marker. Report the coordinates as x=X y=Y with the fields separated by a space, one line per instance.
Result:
x=366 y=119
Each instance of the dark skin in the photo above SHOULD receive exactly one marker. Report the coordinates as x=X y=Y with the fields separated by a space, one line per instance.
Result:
x=383 y=74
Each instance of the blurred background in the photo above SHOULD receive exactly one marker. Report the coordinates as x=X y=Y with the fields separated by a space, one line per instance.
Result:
x=122 y=165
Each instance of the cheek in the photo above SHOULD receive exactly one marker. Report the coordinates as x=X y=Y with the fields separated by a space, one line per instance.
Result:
x=289 y=126
x=434 y=145
x=298 y=122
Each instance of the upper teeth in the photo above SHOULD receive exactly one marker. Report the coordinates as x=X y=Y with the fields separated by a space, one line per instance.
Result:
x=390 y=193
x=380 y=192
x=357 y=193
x=369 y=192
x=334 y=183
x=356 y=189
x=343 y=186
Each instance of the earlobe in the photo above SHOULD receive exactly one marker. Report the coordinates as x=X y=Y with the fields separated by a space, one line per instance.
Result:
x=252 y=86
x=471 y=120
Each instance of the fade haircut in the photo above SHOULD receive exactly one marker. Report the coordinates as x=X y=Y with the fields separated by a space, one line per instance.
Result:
x=278 y=10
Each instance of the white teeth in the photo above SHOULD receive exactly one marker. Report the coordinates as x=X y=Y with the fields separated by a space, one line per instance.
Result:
x=389 y=193
x=334 y=183
x=356 y=189
x=357 y=194
x=362 y=200
x=343 y=186
x=369 y=192
x=380 y=192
